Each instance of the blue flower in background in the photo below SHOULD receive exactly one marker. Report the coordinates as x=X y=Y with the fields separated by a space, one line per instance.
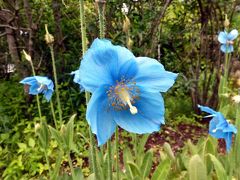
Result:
x=39 y=84
x=219 y=126
x=226 y=39
x=125 y=90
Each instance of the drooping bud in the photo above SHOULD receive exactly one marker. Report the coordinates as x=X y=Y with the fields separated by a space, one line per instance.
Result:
x=126 y=24
x=129 y=43
x=27 y=56
x=48 y=37
x=226 y=22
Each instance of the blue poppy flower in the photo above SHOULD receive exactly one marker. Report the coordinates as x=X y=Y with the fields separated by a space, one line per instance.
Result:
x=219 y=126
x=125 y=90
x=226 y=39
x=39 y=84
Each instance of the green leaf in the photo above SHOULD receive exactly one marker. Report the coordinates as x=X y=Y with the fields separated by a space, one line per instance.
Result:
x=43 y=135
x=31 y=142
x=134 y=169
x=78 y=173
x=167 y=148
x=197 y=169
x=69 y=133
x=162 y=170
x=220 y=171
x=147 y=164
x=57 y=136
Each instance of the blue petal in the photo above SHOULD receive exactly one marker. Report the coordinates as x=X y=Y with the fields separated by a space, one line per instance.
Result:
x=45 y=81
x=48 y=94
x=77 y=79
x=100 y=116
x=232 y=35
x=28 y=80
x=101 y=64
x=226 y=48
x=230 y=128
x=150 y=114
x=222 y=37
x=152 y=75
x=33 y=89
x=129 y=69
x=207 y=109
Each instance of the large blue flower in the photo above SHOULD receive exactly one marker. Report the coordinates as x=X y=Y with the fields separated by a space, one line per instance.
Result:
x=125 y=90
x=226 y=39
x=39 y=84
x=219 y=126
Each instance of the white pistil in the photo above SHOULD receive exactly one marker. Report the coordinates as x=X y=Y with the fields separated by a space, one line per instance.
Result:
x=40 y=87
x=125 y=98
x=230 y=42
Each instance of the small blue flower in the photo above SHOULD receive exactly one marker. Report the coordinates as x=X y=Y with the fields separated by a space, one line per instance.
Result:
x=39 y=84
x=125 y=90
x=219 y=126
x=226 y=39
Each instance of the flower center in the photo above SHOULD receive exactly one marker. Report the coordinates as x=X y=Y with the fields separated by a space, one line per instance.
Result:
x=41 y=87
x=123 y=95
x=229 y=42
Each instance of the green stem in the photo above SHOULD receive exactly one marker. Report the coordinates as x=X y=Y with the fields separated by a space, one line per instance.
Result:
x=87 y=94
x=71 y=167
x=56 y=84
x=47 y=160
x=38 y=101
x=101 y=6
x=237 y=138
x=117 y=153
x=93 y=155
x=109 y=149
x=223 y=82
x=53 y=114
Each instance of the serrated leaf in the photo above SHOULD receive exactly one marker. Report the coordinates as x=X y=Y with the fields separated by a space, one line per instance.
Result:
x=162 y=170
x=147 y=164
x=220 y=171
x=197 y=169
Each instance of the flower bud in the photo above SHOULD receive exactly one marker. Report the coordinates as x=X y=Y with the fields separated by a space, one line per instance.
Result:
x=37 y=127
x=48 y=37
x=126 y=24
x=129 y=43
x=27 y=56
x=226 y=22
x=236 y=99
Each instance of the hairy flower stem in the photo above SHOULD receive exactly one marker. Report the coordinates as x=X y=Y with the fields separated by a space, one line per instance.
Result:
x=101 y=7
x=87 y=94
x=38 y=101
x=223 y=82
x=47 y=160
x=71 y=167
x=117 y=153
x=53 y=114
x=237 y=141
x=56 y=83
